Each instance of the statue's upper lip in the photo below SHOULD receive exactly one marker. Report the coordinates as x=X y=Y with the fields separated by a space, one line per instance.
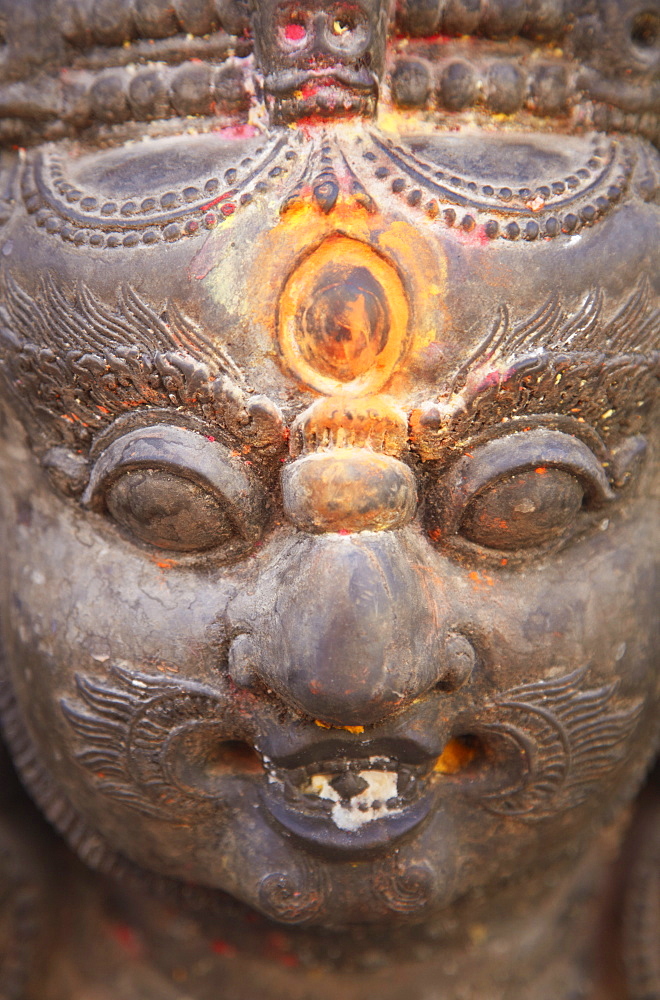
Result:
x=285 y=81
x=401 y=749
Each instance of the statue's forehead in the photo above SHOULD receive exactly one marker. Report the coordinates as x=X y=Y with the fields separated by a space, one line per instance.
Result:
x=492 y=206
x=341 y=262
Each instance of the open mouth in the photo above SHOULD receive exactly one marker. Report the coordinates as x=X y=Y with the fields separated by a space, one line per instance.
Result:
x=332 y=91
x=327 y=86
x=349 y=803
x=336 y=795
x=326 y=95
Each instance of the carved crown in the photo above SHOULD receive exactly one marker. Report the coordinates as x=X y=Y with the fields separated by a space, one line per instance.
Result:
x=73 y=65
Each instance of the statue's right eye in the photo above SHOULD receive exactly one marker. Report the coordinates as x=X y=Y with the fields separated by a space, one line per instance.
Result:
x=176 y=489
x=168 y=511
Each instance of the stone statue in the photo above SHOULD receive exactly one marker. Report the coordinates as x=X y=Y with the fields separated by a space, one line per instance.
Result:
x=329 y=494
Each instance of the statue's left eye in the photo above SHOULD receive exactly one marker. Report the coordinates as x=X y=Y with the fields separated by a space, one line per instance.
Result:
x=346 y=31
x=525 y=490
x=168 y=511
x=340 y=26
x=524 y=510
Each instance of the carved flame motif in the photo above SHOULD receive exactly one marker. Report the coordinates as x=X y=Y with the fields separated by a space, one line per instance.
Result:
x=83 y=362
x=127 y=730
x=542 y=362
x=570 y=739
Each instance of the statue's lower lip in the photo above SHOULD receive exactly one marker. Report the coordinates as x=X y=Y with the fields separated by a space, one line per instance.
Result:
x=388 y=801
x=320 y=832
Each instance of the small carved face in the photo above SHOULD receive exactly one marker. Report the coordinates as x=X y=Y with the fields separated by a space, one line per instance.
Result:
x=328 y=581
x=321 y=59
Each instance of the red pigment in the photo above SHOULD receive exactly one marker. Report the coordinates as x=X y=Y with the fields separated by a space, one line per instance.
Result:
x=224 y=949
x=480 y=233
x=278 y=940
x=476 y=237
x=238 y=131
x=312 y=121
x=492 y=378
x=288 y=961
x=278 y=950
x=294 y=32
x=427 y=39
x=216 y=201
x=127 y=939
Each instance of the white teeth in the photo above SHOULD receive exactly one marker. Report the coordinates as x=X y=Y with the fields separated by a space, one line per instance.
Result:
x=368 y=805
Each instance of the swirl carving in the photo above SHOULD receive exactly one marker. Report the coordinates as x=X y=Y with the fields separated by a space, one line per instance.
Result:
x=129 y=733
x=293 y=897
x=404 y=888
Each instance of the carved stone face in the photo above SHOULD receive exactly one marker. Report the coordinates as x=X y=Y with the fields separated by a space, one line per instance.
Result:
x=328 y=567
x=321 y=59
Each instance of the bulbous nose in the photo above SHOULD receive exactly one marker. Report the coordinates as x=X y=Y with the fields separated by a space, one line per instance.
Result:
x=347 y=475
x=355 y=631
x=348 y=489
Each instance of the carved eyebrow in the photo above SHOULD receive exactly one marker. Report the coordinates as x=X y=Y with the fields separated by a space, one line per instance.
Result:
x=84 y=323
x=78 y=363
x=633 y=329
x=598 y=366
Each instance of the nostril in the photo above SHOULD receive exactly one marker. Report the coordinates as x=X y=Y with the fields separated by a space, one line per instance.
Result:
x=233 y=757
x=457 y=658
x=242 y=660
x=201 y=763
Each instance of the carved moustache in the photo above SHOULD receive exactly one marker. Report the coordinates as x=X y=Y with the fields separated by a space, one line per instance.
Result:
x=285 y=81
